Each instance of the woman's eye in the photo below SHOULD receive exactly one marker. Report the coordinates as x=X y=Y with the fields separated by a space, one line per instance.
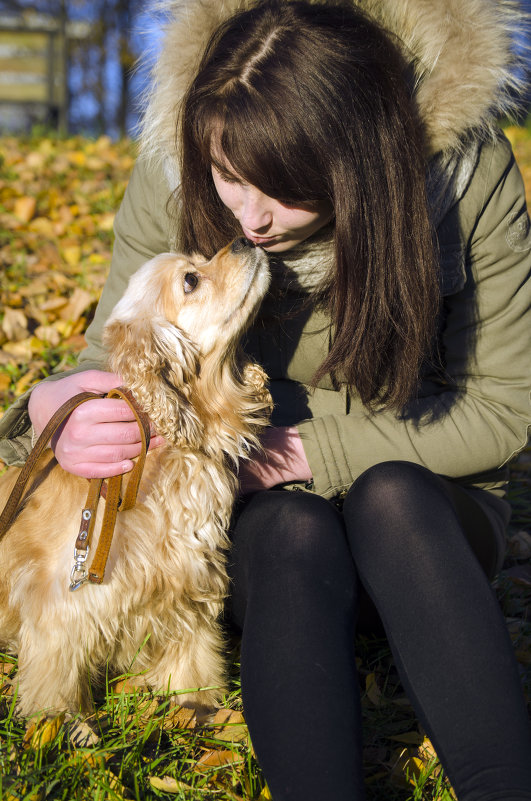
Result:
x=227 y=177
x=191 y=281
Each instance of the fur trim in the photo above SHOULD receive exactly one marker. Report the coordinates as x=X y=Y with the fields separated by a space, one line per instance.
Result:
x=466 y=72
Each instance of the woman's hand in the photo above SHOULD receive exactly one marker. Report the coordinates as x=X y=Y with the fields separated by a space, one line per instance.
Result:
x=101 y=437
x=282 y=460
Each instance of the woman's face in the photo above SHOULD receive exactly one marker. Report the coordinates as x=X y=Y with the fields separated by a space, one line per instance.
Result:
x=273 y=225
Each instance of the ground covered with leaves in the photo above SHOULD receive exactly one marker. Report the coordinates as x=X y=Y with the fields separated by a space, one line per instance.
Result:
x=57 y=203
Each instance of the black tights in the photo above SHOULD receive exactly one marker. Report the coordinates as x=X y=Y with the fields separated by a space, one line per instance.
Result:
x=297 y=564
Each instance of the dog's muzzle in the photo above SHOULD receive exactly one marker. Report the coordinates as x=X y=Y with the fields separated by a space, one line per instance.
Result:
x=240 y=244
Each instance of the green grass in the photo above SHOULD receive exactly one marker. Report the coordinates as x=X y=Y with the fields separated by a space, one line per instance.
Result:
x=137 y=739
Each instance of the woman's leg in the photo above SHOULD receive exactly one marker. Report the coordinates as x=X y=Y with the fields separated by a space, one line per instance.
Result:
x=294 y=596
x=444 y=626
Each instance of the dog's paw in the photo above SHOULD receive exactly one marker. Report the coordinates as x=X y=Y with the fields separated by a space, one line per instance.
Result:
x=256 y=381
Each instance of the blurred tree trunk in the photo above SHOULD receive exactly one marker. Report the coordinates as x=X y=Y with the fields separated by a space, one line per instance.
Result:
x=63 y=113
x=123 y=19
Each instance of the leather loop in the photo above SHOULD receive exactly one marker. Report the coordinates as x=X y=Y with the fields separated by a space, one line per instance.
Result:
x=97 y=568
x=113 y=504
x=113 y=500
x=14 y=500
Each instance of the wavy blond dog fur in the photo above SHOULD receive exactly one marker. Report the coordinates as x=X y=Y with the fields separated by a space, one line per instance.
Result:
x=173 y=338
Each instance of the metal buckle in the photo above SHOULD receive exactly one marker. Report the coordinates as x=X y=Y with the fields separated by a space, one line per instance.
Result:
x=78 y=574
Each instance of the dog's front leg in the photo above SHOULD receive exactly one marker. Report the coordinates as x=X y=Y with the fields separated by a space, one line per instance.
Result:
x=190 y=666
x=53 y=672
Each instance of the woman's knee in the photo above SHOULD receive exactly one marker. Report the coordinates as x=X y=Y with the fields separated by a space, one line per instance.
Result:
x=392 y=506
x=390 y=480
x=290 y=545
x=388 y=487
x=294 y=528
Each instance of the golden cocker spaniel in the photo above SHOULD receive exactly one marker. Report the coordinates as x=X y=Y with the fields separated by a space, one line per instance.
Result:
x=173 y=337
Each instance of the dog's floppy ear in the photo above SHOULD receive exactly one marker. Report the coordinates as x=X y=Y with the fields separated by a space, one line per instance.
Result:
x=159 y=364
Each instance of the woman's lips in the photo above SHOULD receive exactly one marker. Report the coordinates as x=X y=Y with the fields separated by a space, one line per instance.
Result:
x=259 y=240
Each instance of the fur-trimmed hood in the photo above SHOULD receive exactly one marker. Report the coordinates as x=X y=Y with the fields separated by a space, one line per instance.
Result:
x=466 y=72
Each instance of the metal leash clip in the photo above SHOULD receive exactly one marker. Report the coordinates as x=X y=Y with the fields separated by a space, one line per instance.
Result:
x=78 y=574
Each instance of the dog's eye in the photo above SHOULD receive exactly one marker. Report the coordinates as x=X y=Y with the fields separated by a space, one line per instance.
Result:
x=191 y=281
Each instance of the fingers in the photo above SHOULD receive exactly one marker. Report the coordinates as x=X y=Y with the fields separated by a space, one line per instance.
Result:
x=48 y=396
x=115 y=416
x=101 y=437
x=101 y=461
x=107 y=462
x=102 y=441
x=99 y=469
x=96 y=381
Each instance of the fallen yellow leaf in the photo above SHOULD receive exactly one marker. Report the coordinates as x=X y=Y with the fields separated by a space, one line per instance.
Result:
x=167 y=784
x=106 y=221
x=426 y=750
x=406 y=768
x=48 y=334
x=230 y=726
x=43 y=731
x=35 y=160
x=20 y=351
x=98 y=258
x=52 y=304
x=77 y=157
x=88 y=760
x=180 y=718
x=78 y=303
x=15 y=324
x=216 y=759
x=25 y=208
x=373 y=691
x=71 y=255
x=27 y=379
x=42 y=226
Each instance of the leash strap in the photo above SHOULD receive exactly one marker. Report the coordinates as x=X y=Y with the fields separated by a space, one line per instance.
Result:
x=13 y=502
x=113 y=500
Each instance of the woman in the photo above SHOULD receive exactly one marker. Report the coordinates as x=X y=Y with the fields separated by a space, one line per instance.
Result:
x=398 y=361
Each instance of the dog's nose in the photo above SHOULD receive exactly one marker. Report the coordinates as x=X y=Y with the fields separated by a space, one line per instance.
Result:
x=240 y=244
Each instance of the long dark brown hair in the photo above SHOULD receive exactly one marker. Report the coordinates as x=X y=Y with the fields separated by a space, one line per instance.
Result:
x=309 y=102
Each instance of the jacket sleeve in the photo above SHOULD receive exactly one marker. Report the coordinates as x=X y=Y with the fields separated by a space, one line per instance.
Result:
x=142 y=229
x=480 y=419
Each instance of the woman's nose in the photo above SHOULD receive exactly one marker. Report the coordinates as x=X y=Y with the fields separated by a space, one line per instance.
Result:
x=256 y=214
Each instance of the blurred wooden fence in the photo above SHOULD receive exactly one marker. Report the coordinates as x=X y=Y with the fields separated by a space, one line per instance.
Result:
x=33 y=69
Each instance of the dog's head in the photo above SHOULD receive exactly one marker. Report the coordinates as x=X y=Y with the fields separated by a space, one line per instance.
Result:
x=176 y=328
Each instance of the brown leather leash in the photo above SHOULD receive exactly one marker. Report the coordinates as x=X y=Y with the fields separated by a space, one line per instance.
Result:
x=114 y=501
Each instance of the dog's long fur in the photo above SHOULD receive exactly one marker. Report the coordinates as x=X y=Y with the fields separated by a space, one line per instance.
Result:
x=158 y=608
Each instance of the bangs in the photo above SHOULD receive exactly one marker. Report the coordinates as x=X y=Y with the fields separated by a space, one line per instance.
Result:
x=262 y=146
